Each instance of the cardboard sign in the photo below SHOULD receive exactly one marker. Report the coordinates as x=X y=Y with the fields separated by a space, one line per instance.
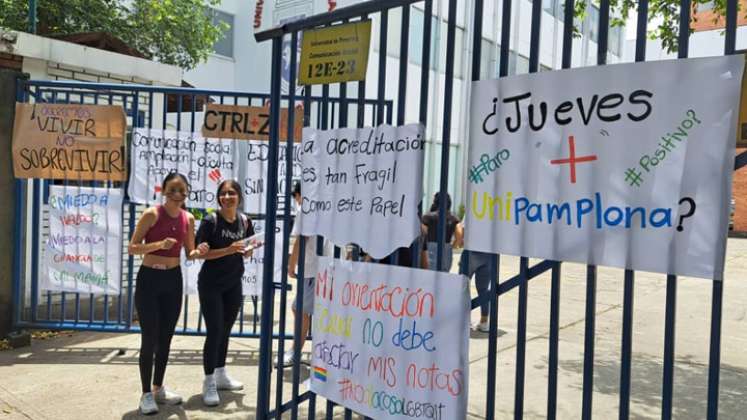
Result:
x=69 y=141
x=248 y=122
x=335 y=54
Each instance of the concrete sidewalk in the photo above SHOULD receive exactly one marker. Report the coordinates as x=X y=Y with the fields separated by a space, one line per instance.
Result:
x=83 y=376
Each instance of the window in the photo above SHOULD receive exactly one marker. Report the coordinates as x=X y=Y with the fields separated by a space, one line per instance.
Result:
x=549 y=5
x=224 y=45
x=458 y=56
x=417 y=27
x=592 y=19
x=394 y=33
x=615 y=38
x=487 y=52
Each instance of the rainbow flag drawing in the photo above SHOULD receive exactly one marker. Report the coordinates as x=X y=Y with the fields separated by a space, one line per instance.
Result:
x=320 y=373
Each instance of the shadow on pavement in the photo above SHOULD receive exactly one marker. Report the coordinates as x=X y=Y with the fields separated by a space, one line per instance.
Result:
x=690 y=385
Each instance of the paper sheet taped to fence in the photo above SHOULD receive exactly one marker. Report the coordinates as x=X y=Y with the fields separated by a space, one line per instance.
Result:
x=83 y=252
x=363 y=186
x=633 y=173
x=69 y=141
x=251 y=281
x=391 y=342
x=205 y=162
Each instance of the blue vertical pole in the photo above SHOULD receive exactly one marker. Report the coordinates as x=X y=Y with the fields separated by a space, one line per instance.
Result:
x=32 y=16
x=265 y=342
x=714 y=358
x=446 y=141
x=19 y=234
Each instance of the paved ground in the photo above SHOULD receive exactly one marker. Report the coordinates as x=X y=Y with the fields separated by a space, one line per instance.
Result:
x=83 y=376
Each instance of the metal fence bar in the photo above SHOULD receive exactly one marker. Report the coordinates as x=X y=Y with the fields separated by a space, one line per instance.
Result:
x=381 y=82
x=265 y=354
x=446 y=135
x=552 y=364
x=521 y=339
x=589 y=328
x=286 y=218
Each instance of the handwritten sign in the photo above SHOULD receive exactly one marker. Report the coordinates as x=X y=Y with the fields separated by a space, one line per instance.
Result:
x=248 y=122
x=633 y=175
x=206 y=162
x=335 y=54
x=363 y=186
x=83 y=250
x=69 y=141
x=391 y=342
x=251 y=281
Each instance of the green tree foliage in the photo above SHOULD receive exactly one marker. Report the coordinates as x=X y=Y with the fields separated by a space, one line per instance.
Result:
x=179 y=32
x=664 y=14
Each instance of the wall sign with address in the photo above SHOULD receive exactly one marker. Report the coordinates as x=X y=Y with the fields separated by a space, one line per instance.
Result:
x=247 y=122
x=335 y=54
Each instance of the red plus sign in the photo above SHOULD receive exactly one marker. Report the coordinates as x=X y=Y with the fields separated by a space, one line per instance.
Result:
x=572 y=159
x=254 y=122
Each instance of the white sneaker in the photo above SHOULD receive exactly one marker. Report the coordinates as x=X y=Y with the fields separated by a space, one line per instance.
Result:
x=483 y=327
x=148 y=404
x=210 y=395
x=164 y=396
x=225 y=382
x=288 y=359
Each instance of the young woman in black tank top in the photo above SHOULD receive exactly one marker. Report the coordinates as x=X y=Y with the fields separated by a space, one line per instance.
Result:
x=219 y=285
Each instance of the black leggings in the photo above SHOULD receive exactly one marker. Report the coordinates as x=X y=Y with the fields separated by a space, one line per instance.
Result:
x=158 y=300
x=220 y=306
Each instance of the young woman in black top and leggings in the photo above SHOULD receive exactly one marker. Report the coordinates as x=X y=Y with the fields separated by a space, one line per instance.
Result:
x=219 y=285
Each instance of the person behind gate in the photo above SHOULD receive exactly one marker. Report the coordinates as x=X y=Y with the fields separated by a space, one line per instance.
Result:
x=310 y=266
x=159 y=236
x=219 y=285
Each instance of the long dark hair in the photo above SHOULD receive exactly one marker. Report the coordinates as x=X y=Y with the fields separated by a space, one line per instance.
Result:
x=233 y=184
x=437 y=202
x=174 y=175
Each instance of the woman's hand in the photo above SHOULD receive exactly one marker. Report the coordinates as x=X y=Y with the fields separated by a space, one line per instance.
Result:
x=237 y=248
x=202 y=249
x=167 y=243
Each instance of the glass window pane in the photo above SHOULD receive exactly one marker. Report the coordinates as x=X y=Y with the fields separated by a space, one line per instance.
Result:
x=224 y=45
x=522 y=65
x=458 y=55
x=416 y=36
x=593 y=22
x=394 y=32
x=548 y=5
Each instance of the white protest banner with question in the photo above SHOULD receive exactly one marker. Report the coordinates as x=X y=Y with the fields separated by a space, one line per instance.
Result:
x=363 y=186
x=205 y=162
x=635 y=174
x=391 y=342
x=251 y=281
x=83 y=251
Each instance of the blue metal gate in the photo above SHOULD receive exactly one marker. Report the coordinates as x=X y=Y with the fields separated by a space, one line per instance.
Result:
x=144 y=106
x=269 y=407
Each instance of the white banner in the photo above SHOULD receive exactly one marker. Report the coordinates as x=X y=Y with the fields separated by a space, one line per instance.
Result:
x=83 y=252
x=363 y=186
x=251 y=281
x=205 y=162
x=625 y=165
x=391 y=342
